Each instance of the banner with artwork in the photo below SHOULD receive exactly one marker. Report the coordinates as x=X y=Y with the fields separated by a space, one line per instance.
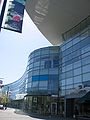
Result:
x=14 y=16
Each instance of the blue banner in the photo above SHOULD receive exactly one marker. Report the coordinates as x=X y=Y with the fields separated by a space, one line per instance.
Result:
x=14 y=17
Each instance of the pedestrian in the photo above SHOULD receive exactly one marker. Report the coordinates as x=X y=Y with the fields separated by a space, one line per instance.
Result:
x=5 y=106
x=76 y=112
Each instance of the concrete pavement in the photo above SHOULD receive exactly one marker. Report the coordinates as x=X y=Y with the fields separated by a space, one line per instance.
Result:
x=12 y=114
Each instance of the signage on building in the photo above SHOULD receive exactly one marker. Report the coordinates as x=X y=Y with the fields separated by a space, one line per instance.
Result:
x=20 y=96
x=54 y=96
x=14 y=15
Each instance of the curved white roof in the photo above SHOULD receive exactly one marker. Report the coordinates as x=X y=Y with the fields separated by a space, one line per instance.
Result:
x=54 y=17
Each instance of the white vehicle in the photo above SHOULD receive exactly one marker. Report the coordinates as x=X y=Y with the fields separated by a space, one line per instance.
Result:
x=1 y=106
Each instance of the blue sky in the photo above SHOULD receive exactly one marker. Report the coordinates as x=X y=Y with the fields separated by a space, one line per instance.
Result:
x=16 y=47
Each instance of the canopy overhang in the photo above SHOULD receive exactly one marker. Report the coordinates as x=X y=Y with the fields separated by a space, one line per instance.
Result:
x=54 y=17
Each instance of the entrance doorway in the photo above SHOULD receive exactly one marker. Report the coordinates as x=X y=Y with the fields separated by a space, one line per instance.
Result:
x=53 y=108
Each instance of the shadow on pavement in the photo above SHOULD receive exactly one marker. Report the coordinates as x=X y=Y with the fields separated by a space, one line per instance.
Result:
x=18 y=111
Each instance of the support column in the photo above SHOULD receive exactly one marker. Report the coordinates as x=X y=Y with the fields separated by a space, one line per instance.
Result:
x=68 y=107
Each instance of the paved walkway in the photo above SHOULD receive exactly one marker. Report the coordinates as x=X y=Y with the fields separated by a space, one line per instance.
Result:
x=12 y=114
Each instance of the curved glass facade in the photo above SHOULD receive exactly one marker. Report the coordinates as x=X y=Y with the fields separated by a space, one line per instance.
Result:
x=75 y=54
x=16 y=88
x=43 y=69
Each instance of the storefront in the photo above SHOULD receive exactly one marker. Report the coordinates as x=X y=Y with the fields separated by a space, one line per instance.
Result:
x=46 y=105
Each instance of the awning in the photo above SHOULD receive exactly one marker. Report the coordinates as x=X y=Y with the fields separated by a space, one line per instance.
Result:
x=85 y=98
x=81 y=93
x=76 y=95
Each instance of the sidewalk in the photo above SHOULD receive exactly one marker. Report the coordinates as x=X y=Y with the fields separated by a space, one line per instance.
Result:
x=42 y=117
x=10 y=114
x=17 y=114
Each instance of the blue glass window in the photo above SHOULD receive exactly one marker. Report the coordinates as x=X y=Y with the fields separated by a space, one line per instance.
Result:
x=77 y=79
x=55 y=63
x=86 y=68
x=47 y=64
x=35 y=78
x=77 y=71
x=43 y=77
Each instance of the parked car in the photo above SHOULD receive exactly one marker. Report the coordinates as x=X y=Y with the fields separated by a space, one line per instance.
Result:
x=1 y=106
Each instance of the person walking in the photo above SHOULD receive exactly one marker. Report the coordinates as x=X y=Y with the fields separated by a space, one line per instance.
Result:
x=76 y=112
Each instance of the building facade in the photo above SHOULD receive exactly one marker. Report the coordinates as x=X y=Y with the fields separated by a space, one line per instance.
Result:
x=74 y=72
x=43 y=76
x=15 y=91
x=57 y=78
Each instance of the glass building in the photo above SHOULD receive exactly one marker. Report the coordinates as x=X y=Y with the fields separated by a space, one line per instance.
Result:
x=74 y=74
x=75 y=54
x=43 y=77
x=57 y=78
x=43 y=69
x=16 y=91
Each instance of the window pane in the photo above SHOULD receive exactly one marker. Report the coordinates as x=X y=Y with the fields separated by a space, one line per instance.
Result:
x=43 y=77
x=35 y=84
x=63 y=82
x=86 y=60
x=55 y=71
x=47 y=64
x=69 y=67
x=86 y=77
x=43 y=71
x=36 y=64
x=43 y=83
x=86 y=68
x=36 y=72
x=69 y=44
x=76 y=40
x=45 y=51
x=69 y=81
x=77 y=71
x=69 y=86
x=36 y=53
x=77 y=64
x=86 y=48
x=77 y=79
x=55 y=63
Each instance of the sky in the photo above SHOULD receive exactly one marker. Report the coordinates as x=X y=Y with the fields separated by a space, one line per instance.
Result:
x=16 y=47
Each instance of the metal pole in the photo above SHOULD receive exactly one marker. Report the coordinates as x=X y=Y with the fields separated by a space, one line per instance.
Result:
x=2 y=13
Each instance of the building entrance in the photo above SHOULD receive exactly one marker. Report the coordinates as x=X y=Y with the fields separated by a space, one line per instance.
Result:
x=54 y=108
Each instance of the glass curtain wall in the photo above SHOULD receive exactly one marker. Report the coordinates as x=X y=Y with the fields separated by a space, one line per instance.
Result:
x=43 y=71
x=75 y=54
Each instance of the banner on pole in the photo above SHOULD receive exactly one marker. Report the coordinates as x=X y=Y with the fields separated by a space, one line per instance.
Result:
x=1 y=5
x=14 y=16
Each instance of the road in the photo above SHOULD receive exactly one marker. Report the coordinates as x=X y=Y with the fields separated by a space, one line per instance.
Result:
x=11 y=114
